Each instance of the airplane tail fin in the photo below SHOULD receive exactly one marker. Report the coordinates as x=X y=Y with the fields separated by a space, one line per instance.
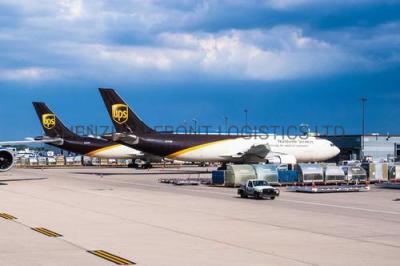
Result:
x=123 y=118
x=52 y=126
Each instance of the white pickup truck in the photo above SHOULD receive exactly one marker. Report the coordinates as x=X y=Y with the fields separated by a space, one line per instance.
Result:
x=258 y=189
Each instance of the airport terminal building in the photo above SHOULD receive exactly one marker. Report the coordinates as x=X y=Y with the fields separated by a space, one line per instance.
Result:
x=377 y=147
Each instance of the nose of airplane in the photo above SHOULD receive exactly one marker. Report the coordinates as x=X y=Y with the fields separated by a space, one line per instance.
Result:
x=335 y=151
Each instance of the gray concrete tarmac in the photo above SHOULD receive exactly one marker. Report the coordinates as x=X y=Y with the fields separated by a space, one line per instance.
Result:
x=128 y=213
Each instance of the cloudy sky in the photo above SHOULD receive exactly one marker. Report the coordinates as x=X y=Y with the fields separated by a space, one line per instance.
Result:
x=286 y=62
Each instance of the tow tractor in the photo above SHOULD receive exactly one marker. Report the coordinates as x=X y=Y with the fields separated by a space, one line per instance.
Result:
x=258 y=189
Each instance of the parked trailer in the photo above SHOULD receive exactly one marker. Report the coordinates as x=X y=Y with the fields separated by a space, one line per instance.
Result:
x=377 y=172
x=333 y=174
x=310 y=173
x=78 y=160
x=185 y=181
x=33 y=161
x=237 y=174
x=329 y=188
x=267 y=172
x=355 y=173
x=288 y=177
x=69 y=160
x=51 y=161
x=60 y=160
x=393 y=176
x=394 y=172
x=218 y=177
x=42 y=161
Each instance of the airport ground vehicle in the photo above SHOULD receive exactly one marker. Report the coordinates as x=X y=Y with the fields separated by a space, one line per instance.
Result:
x=258 y=189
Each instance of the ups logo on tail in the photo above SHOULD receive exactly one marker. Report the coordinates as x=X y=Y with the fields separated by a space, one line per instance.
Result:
x=49 y=121
x=120 y=113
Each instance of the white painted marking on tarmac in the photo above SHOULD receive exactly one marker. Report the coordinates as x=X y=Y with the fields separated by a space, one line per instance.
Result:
x=339 y=206
x=207 y=191
x=203 y=190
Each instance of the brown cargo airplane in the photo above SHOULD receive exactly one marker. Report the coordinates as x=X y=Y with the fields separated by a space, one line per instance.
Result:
x=211 y=148
x=90 y=146
x=58 y=135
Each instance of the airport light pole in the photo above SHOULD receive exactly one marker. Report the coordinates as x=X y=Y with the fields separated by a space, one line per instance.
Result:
x=245 y=116
x=185 y=125
x=363 y=101
x=226 y=124
x=195 y=125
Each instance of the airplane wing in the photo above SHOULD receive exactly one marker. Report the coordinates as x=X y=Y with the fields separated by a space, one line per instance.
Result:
x=129 y=139
x=38 y=140
x=255 y=152
x=261 y=153
x=259 y=150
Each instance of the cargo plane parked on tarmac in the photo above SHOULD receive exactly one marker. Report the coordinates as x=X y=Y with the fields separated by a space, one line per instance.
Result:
x=56 y=134
x=133 y=132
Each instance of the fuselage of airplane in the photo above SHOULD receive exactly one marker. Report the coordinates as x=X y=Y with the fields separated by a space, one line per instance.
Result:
x=229 y=148
x=99 y=148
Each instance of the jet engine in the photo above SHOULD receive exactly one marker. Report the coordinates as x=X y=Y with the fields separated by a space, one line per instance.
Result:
x=281 y=159
x=6 y=160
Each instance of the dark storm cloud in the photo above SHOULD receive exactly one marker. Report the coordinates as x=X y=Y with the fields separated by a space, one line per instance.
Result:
x=245 y=40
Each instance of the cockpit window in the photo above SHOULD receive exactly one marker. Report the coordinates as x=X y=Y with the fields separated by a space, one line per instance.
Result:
x=332 y=145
